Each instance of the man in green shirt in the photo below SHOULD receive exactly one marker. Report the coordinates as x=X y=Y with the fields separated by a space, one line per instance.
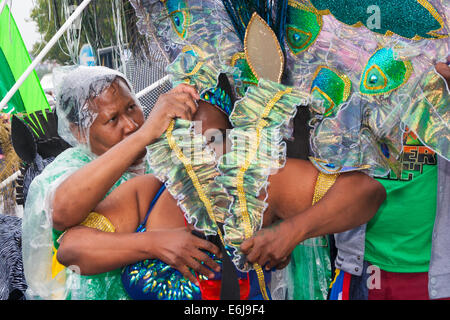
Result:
x=401 y=240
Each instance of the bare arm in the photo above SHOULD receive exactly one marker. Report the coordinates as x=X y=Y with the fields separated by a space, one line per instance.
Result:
x=94 y=251
x=444 y=70
x=351 y=201
x=84 y=189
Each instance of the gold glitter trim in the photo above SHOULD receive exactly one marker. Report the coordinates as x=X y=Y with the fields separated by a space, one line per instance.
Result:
x=188 y=165
x=323 y=183
x=305 y=6
x=435 y=15
x=99 y=222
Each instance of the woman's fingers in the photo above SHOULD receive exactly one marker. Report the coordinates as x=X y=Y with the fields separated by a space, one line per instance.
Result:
x=208 y=261
x=186 y=88
x=199 y=268
x=188 y=274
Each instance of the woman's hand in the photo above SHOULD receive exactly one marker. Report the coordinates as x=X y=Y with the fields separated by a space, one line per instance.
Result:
x=180 y=102
x=183 y=251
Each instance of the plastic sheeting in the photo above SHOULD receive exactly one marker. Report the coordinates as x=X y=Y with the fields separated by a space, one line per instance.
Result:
x=76 y=88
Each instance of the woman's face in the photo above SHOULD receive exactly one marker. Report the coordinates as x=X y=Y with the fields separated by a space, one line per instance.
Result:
x=214 y=125
x=119 y=115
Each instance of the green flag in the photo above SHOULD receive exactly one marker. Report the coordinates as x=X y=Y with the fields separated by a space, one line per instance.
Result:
x=14 y=60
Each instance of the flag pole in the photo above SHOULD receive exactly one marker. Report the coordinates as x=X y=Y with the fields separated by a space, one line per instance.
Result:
x=152 y=86
x=2 y=6
x=43 y=53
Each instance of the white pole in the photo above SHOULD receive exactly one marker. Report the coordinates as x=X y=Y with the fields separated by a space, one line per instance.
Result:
x=2 y=6
x=10 y=179
x=43 y=53
x=152 y=86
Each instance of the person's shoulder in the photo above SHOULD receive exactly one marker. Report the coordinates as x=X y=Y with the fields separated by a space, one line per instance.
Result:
x=147 y=180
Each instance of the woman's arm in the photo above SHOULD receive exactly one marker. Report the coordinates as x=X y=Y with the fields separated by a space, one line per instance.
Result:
x=351 y=201
x=94 y=251
x=84 y=189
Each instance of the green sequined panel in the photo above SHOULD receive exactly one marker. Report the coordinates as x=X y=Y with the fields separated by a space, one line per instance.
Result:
x=303 y=26
x=330 y=87
x=383 y=73
x=411 y=19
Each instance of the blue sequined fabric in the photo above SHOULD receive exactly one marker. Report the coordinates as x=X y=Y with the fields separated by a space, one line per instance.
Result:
x=153 y=279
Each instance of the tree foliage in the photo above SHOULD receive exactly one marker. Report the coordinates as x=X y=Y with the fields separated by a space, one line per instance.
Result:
x=97 y=26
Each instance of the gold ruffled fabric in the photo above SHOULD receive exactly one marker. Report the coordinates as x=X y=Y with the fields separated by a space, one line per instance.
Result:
x=182 y=160
x=261 y=121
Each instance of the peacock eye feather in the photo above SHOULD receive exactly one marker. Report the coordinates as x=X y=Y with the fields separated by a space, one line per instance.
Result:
x=179 y=16
x=384 y=74
x=332 y=87
x=303 y=25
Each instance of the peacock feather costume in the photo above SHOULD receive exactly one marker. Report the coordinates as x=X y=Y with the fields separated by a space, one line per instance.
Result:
x=365 y=70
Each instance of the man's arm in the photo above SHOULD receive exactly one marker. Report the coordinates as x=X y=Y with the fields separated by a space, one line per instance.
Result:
x=84 y=189
x=444 y=70
x=351 y=201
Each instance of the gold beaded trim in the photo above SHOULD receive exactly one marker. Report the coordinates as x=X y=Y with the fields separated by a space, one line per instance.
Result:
x=190 y=171
x=99 y=222
x=240 y=181
x=323 y=183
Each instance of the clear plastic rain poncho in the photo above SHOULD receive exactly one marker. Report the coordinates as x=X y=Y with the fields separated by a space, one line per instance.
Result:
x=76 y=87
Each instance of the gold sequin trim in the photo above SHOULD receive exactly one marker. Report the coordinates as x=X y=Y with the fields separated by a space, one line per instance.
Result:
x=323 y=183
x=99 y=222
x=240 y=181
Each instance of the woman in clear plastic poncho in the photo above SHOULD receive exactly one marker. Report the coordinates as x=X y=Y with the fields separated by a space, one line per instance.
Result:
x=99 y=115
